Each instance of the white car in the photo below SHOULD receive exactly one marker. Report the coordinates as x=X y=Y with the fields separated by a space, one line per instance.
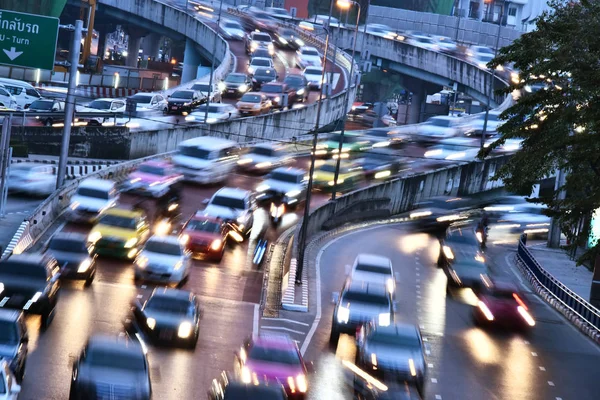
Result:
x=231 y=30
x=475 y=125
x=233 y=205
x=372 y=268
x=264 y=157
x=9 y=389
x=92 y=197
x=439 y=127
x=314 y=77
x=290 y=182
x=307 y=26
x=279 y=13
x=204 y=88
x=476 y=52
x=150 y=101
x=163 y=259
x=217 y=112
x=32 y=179
x=7 y=100
x=259 y=62
x=105 y=105
x=423 y=41
x=321 y=19
x=454 y=149
x=445 y=44
x=380 y=30
x=308 y=56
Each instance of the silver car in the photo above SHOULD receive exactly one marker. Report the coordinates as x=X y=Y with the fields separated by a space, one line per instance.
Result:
x=163 y=259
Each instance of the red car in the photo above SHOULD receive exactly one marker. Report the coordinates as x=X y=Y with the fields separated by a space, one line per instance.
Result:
x=501 y=304
x=206 y=236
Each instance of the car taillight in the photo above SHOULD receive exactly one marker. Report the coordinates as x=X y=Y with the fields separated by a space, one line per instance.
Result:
x=519 y=301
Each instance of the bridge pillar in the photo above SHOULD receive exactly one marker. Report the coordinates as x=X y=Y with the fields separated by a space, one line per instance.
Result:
x=191 y=62
x=418 y=98
x=151 y=45
x=134 y=41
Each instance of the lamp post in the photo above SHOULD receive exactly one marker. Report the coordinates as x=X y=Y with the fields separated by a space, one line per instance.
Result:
x=212 y=66
x=345 y=4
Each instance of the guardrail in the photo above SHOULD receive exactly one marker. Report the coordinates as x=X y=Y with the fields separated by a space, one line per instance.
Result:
x=569 y=299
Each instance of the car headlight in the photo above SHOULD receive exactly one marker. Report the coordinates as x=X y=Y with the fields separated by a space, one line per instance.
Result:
x=130 y=243
x=151 y=322
x=185 y=330
x=385 y=319
x=262 y=187
x=271 y=48
x=178 y=265
x=301 y=383
x=243 y=161
x=222 y=86
x=300 y=92
x=184 y=239
x=142 y=262
x=300 y=42
x=211 y=120
x=277 y=99
x=216 y=244
x=251 y=70
x=391 y=285
x=293 y=193
x=243 y=87
x=256 y=106
x=448 y=252
x=242 y=218
x=161 y=228
x=190 y=118
x=36 y=297
x=411 y=367
x=283 y=41
x=265 y=164
x=343 y=315
x=94 y=236
x=187 y=104
x=253 y=45
x=246 y=375
x=84 y=265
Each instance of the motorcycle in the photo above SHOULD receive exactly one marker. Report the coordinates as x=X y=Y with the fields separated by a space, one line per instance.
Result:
x=277 y=206
x=276 y=212
x=482 y=235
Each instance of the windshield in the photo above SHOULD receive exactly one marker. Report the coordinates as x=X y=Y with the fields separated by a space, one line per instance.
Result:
x=463 y=238
x=310 y=53
x=284 y=177
x=96 y=193
x=424 y=40
x=107 y=358
x=336 y=137
x=261 y=62
x=250 y=98
x=261 y=37
x=68 y=245
x=391 y=338
x=228 y=202
x=235 y=391
x=261 y=53
x=203 y=226
x=232 y=25
x=100 y=105
x=181 y=94
x=287 y=32
x=152 y=169
x=378 y=156
x=8 y=333
x=327 y=168
x=170 y=249
x=41 y=105
x=313 y=71
x=168 y=304
x=263 y=151
x=483 y=50
x=195 y=152
x=264 y=72
x=272 y=89
x=142 y=99
x=280 y=356
x=439 y=122
x=360 y=297
x=211 y=109
x=118 y=221
x=201 y=87
x=373 y=268
x=29 y=270
x=294 y=81
x=235 y=78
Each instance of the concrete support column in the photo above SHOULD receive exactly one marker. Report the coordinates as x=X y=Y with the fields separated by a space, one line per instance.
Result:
x=133 y=49
x=191 y=62
x=151 y=45
x=418 y=98
x=103 y=31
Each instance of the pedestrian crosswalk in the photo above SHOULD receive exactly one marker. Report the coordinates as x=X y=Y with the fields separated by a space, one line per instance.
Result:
x=296 y=330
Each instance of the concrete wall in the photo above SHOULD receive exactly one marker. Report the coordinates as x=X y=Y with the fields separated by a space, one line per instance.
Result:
x=464 y=30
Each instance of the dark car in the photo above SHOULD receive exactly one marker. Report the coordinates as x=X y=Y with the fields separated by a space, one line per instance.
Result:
x=299 y=83
x=31 y=283
x=280 y=94
x=437 y=213
x=502 y=305
x=262 y=76
x=380 y=164
x=169 y=316
x=14 y=341
x=286 y=38
x=74 y=256
x=227 y=388
x=467 y=273
x=386 y=137
x=235 y=85
x=184 y=101
x=111 y=368
x=459 y=243
x=47 y=106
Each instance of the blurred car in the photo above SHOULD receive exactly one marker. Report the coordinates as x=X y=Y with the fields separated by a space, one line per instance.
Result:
x=261 y=52
x=458 y=244
x=380 y=164
x=286 y=181
x=231 y=29
x=184 y=101
x=93 y=196
x=380 y=30
x=254 y=104
x=227 y=387
x=509 y=145
x=254 y=40
x=501 y=304
x=205 y=235
x=109 y=365
x=169 y=316
x=259 y=62
x=349 y=177
x=74 y=256
x=352 y=143
x=422 y=40
x=279 y=13
x=467 y=273
x=299 y=83
x=475 y=125
x=262 y=76
x=535 y=224
x=273 y=358
x=322 y=19
x=477 y=52
x=163 y=259
x=262 y=20
x=31 y=179
x=104 y=105
x=14 y=342
x=375 y=269
x=454 y=148
x=47 y=106
x=439 y=127
x=445 y=44
x=30 y=282
x=308 y=56
x=149 y=101
x=392 y=352
x=235 y=85
x=119 y=233
x=203 y=88
x=154 y=178
x=512 y=204
x=217 y=112
x=358 y=303
x=280 y=94
x=307 y=26
x=7 y=100
x=314 y=76
x=233 y=205
x=264 y=157
x=8 y=381
x=437 y=213
x=287 y=38
x=385 y=137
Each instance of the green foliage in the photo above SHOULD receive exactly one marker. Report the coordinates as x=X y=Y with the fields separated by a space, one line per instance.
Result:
x=559 y=124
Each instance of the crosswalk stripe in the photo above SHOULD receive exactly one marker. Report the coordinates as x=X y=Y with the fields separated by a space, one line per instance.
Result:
x=291 y=321
x=280 y=328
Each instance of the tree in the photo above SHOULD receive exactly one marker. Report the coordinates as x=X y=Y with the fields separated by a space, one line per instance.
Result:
x=559 y=124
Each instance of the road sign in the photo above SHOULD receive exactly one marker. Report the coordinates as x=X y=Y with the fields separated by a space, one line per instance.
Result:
x=28 y=40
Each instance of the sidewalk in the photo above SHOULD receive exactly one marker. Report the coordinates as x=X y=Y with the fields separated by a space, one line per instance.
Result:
x=8 y=226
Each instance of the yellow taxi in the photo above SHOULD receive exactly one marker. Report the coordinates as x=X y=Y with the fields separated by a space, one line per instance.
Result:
x=120 y=233
x=348 y=178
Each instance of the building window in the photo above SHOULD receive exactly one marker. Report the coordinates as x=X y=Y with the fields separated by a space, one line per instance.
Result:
x=512 y=11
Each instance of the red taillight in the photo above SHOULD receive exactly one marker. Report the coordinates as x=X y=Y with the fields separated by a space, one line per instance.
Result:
x=521 y=303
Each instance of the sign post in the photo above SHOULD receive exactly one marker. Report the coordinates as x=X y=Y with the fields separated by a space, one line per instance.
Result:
x=28 y=40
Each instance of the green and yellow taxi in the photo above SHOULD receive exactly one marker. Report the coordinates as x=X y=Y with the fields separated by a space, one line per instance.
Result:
x=348 y=178
x=352 y=143
x=119 y=233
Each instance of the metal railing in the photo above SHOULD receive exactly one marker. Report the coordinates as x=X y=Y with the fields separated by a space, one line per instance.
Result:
x=562 y=293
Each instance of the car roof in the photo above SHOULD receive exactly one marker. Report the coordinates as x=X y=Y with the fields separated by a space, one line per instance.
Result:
x=106 y=99
x=235 y=193
x=366 y=287
x=260 y=58
x=308 y=48
x=28 y=258
x=208 y=143
x=237 y=74
x=124 y=212
x=267 y=145
x=399 y=329
x=9 y=315
x=156 y=163
x=94 y=183
x=200 y=216
x=106 y=342
x=169 y=239
x=63 y=235
x=444 y=117
x=275 y=342
x=262 y=69
x=289 y=170
x=275 y=83
x=374 y=260
x=170 y=293
x=184 y=90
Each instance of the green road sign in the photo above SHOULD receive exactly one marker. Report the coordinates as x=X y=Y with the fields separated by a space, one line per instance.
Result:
x=28 y=40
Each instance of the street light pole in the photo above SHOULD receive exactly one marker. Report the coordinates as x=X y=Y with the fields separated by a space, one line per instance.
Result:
x=212 y=66
x=346 y=100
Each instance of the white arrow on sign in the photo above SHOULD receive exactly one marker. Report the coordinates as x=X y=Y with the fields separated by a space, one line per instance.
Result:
x=12 y=53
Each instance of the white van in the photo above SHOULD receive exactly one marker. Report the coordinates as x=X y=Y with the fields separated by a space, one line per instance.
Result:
x=92 y=197
x=206 y=159
x=7 y=100
x=23 y=92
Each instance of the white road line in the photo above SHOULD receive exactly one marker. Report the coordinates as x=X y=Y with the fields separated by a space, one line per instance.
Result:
x=438 y=397
x=255 y=322
x=281 y=328
x=433 y=380
x=429 y=365
x=542 y=368
x=515 y=273
x=533 y=353
x=525 y=342
x=291 y=321
x=550 y=383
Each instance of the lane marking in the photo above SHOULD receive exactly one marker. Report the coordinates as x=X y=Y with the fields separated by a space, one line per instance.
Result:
x=525 y=342
x=286 y=320
x=550 y=383
x=517 y=275
x=255 y=322
x=438 y=397
x=281 y=328
x=542 y=368
x=433 y=380
x=429 y=365
x=533 y=353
